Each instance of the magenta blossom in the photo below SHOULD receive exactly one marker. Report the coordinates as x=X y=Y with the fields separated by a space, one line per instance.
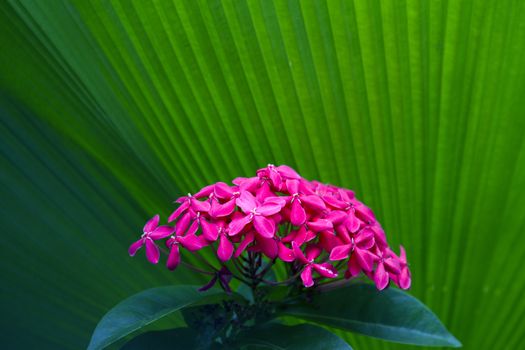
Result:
x=359 y=248
x=151 y=232
x=312 y=252
x=272 y=217
x=258 y=213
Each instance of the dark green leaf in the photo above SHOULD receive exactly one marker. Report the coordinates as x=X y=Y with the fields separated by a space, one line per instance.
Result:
x=390 y=314
x=300 y=337
x=208 y=320
x=246 y=292
x=117 y=105
x=173 y=339
x=143 y=308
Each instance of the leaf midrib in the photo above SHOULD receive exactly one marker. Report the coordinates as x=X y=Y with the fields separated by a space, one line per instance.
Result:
x=379 y=325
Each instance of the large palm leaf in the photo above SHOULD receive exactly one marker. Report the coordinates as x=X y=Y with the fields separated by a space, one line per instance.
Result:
x=109 y=108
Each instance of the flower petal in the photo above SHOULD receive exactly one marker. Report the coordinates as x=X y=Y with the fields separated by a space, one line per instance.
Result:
x=328 y=241
x=325 y=270
x=270 y=208
x=300 y=236
x=363 y=212
x=337 y=217
x=264 y=191
x=352 y=222
x=161 y=232
x=265 y=226
x=292 y=186
x=341 y=252
x=173 y=257
x=342 y=232
x=379 y=235
x=307 y=188
x=392 y=265
x=238 y=224
x=320 y=225
x=381 y=277
x=364 y=239
x=199 y=206
x=204 y=192
x=209 y=230
x=346 y=195
x=285 y=253
x=299 y=253
x=306 y=276
x=312 y=251
x=246 y=202
x=193 y=227
x=152 y=251
x=364 y=258
x=310 y=236
x=353 y=265
x=268 y=246
x=247 y=184
x=152 y=223
x=223 y=191
x=297 y=215
x=276 y=179
x=225 y=249
x=135 y=246
x=287 y=172
x=248 y=238
x=221 y=210
x=403 y=254
x=191 y=242
x=334 y=202
x=182 y=208
x=182 y=224
x=404 y=278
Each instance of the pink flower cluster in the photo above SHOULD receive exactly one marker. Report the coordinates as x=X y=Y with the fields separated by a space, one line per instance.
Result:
x=281 y=215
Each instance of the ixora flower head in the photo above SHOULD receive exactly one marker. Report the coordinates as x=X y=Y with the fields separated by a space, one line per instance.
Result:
x=273 y=245
x=318 y=230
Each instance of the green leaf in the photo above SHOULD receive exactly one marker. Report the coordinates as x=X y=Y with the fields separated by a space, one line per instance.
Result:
x=208 y=321
x=300 y=337
x=178 y=338
x=110 y=109
x=146 y=307
x=390 y=314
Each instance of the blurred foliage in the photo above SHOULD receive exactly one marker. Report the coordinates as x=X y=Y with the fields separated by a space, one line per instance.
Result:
x=110 y=109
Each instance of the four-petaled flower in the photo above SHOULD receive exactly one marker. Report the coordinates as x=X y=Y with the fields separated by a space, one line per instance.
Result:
x=357 y=247
x=152 y=232
x=312 y=252
x=258 y=213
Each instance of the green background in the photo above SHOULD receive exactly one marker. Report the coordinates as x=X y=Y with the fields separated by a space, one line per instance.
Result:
x=111 y=109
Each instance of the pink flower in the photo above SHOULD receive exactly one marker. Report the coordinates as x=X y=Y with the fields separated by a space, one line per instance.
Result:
x=190 y=242
x=271 y=215
x=273 y=248
x=387 y=265
x=257 y=213
x=225 y=248
x=301 y=202
x=312 y=252
x=191 y=202
x=278 y=174
x=358 y=247
x=151 y=232
x=403 y=278
x=225 y=193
